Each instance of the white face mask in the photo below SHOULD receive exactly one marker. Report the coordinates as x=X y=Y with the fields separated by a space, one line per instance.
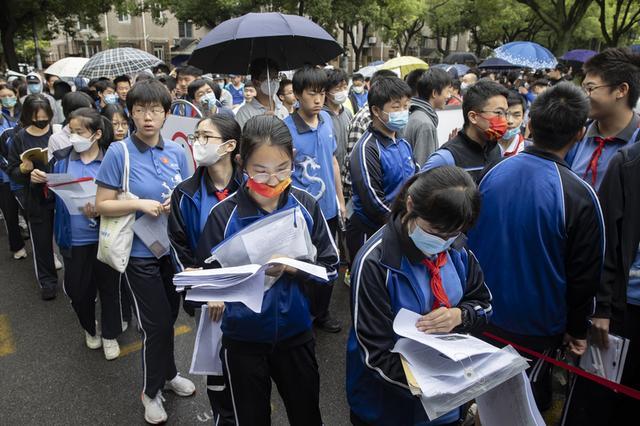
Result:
x=340 y=97
x=269 y=87
x=80 y=143
x=207 y=155
x=358 y=89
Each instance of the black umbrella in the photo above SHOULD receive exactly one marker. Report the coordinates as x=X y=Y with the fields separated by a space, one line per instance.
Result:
x=498 y=64
x=290 y=40
x=460 y=58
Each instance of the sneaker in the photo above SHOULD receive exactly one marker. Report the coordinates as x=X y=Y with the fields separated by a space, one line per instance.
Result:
x=93 y=342
x=124 y=326
x=180 y=386
x=48 y=293
x=329 y=325
x=22 y=223
x=57 y=262
x=111 y=349
x=153 y=409
x=20 y=254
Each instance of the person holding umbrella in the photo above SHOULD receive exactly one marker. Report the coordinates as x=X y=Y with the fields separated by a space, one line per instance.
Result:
x=264 y=75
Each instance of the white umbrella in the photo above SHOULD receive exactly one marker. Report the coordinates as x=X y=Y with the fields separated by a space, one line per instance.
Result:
x=67 y=67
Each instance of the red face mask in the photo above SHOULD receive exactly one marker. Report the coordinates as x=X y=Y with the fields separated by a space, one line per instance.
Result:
x=497 y=128
x=266 y=190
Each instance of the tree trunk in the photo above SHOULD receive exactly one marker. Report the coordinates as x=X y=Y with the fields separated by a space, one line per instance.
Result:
x=9 y=47
x=562 y=42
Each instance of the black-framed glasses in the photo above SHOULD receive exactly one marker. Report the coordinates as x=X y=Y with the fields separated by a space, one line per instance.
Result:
x=589 y=89
x=201 y=138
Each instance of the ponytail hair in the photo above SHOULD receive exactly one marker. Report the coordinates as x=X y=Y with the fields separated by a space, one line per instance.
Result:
x=93 y=121
x=446 y=197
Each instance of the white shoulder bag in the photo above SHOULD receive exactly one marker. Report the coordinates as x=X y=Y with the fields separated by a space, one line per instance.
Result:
x=116 y=233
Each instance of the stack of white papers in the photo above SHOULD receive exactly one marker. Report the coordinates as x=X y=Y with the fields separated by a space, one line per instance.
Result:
x=206 y=349
x=452 y=369
x=243 y=284
x=75 y=193
x=607 y=363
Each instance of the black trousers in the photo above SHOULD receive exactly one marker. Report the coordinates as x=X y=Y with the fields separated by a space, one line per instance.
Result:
x=589 y=403
x=157 y=305
x=85 y=277
x=126 y=302
x=10 y=209
x=539 y=372
x=41 y=229
x=220 y=399
x=319 y=295
x=357 y=234
x=248 y=370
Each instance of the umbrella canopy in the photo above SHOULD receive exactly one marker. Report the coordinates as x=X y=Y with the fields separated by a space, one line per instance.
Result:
x=120 y=61
x=526 y=54
x=635 y=48
x=404 y=65
x=459 y=69
x=578 y=55
x=368 y=70
x=498 y=64
x=291 y=41
x=67 y=67
x=460 y=58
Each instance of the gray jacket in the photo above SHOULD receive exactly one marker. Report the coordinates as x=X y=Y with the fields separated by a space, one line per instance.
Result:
x=422 y=130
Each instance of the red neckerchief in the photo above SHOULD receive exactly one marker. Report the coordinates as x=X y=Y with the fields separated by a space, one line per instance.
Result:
x=221 y=195
x=515 y=150
x=595 y=157
x=440 y=297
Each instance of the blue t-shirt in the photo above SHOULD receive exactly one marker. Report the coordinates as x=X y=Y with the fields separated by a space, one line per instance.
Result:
x=361 y=98
x=237 y=94
x=84 y=231
x=154 y=172
x=313 y=170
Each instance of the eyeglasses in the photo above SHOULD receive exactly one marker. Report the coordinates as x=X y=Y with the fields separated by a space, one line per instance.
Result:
x=120 y=125
x=266 y=177
x=589 y=89
x=499 y=113
x=201 y=138
x=154 y=112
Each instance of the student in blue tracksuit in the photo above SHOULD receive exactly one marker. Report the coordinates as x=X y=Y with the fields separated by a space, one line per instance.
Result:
x=215 y=145
x=540 y=238
x=381 y=162
x=202 y=93
x=8 y=204
x=77 y=236
x=612 y=84
x=9 y=104
x=156 y=168
x=277 y=343
x=417 y=261
x=317 y=170
x=236 y=88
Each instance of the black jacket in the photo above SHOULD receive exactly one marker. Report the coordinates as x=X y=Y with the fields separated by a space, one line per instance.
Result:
x=620 y=197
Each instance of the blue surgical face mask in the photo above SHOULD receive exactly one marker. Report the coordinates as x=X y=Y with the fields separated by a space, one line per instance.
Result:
x=111 y=99
x=397 y=120
x=9 y=102
x=208 y=100
x=34 y=88
x=221 y=84
x=430 y=244
x=511 y=133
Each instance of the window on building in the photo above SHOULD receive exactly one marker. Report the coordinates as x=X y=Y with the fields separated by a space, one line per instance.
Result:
x=185 y=29
x=124 y=18
x=158 y=51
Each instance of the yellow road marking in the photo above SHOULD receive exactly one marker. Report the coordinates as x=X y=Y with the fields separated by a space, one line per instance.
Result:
x=7 y=345
x=136 y=346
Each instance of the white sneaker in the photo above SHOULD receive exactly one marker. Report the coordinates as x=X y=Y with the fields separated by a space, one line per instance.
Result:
x=57 y=262
x=20 y=254
x=93 y=342
x=153 y=409
x=111 y=349
x=180 y=386
x=125 y=325
x=22 y=223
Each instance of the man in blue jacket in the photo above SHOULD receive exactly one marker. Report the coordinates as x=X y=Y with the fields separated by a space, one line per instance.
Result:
x=540 y=238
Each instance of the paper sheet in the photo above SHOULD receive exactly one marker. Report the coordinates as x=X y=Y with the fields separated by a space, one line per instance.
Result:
x=206 y=350
x=74 y=195
x=455 y=346
x=608 y=363
x=510 y=403
x=152 y=231
x=250 y=291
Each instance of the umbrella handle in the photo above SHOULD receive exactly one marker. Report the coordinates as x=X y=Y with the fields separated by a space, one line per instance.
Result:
x=184 y=102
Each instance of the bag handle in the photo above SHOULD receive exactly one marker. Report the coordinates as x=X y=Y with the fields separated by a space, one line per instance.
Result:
x=125 y=171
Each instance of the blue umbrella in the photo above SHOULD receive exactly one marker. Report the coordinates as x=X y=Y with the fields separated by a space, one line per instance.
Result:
x=526 y=54
x=290 y=40
x=498 y=64
x=635 y=48
x=578 y=55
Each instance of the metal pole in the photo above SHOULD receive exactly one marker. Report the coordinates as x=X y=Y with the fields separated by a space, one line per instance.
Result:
x=35 y=40
x=144 y=28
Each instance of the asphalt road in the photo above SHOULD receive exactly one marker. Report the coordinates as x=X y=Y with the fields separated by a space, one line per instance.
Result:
x=48 y=375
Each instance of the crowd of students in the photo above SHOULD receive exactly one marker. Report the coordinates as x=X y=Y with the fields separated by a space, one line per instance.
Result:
x=524 y=223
